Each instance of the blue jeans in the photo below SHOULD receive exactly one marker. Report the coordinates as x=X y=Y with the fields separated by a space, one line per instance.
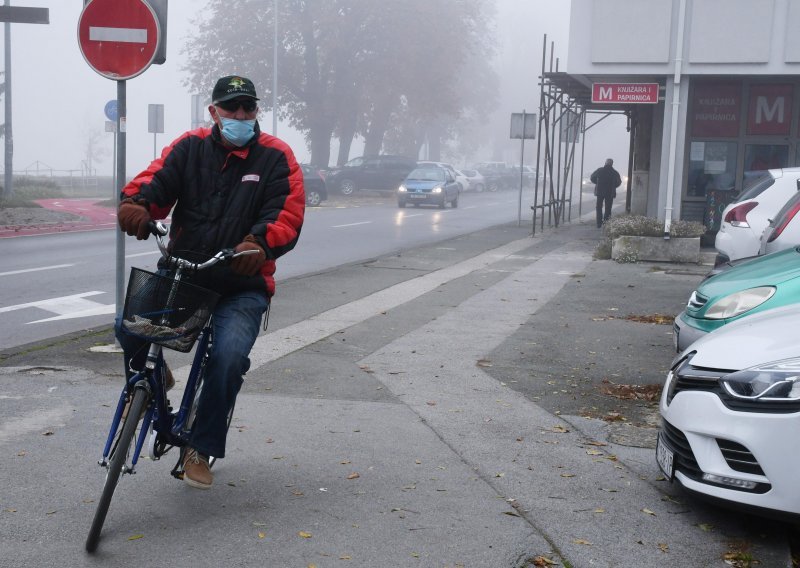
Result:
x=236 y=321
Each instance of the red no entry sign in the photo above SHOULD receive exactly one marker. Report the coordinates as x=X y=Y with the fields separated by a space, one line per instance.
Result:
x=118 y=38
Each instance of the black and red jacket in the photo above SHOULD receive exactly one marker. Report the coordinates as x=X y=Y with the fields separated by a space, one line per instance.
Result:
x=221 y=195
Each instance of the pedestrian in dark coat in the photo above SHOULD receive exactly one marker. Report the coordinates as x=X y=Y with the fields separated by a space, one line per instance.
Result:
x=606 y=180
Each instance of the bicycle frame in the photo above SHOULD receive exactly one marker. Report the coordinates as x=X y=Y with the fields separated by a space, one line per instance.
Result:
x=172 y=428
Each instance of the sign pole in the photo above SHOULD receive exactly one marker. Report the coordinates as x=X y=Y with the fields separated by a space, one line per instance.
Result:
x=521 y=170
x=120 y=181
x=16 y=14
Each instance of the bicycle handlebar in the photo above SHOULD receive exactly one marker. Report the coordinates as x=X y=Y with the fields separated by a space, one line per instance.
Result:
x=159 y=231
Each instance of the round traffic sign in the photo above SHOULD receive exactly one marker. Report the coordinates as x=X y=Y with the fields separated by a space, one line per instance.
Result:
x=118 y=38
x=111 y=110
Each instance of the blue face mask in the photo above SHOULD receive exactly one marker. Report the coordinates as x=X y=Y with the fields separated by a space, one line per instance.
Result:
x=238 y=132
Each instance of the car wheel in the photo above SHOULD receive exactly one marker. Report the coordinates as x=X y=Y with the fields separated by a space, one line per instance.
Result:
x=493 y=186
x=454 y=203
x=347 y=186
x=401 y=204
x=313 y=198
x=443 y=203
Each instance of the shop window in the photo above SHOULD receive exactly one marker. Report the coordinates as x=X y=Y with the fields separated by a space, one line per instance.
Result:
x=760 y=157
x=712 y=167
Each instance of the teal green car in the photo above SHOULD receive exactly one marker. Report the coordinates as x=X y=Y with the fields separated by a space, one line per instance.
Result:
x=763 y=283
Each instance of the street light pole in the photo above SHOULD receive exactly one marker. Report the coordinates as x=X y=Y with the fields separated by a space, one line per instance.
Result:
x=274 y=70
x=8 y=180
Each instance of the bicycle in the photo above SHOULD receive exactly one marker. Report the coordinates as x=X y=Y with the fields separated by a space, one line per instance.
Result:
x=167 y=312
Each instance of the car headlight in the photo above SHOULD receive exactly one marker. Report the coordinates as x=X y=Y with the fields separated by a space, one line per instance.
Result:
x=768 y=382
x=437 y=189
x=739 y=302
x=402 y=189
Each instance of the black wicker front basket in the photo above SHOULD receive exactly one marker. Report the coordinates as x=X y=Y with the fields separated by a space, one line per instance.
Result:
x=161 y=310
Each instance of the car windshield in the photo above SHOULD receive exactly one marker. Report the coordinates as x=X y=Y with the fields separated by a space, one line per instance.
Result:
x=427 y=174
x=756 y=185
x=355 y=162
x=469 y=173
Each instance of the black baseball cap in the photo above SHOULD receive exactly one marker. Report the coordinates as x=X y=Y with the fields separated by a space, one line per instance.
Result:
x=231 y=87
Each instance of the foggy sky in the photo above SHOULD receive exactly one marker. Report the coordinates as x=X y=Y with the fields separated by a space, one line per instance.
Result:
x=58 y=99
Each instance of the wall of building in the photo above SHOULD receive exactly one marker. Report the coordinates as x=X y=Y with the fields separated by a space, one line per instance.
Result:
x=638 y=41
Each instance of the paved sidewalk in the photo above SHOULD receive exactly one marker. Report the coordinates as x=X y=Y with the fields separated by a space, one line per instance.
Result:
x=446 y=406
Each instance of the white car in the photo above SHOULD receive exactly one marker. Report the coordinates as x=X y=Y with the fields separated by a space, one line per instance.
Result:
x=744 y=220
x=475 y=179
x=731 y=411
x=784 y=230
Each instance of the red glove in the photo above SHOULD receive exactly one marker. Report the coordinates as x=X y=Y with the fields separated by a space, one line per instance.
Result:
x=133 y=219
x=248 y=264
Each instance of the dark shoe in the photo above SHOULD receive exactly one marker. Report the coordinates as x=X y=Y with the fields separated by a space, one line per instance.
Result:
x=169 y=383
x=196 y=471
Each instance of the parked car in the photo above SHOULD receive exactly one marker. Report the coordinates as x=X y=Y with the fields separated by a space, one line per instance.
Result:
x=784 y=230
x=371 y=172
x=729 y=408
x=463 y=181
x=476 y=181
x=314 y=184
x=751 y=286
x=429 y=185
x=497 y=175
x=528 y=175
x=744 y=220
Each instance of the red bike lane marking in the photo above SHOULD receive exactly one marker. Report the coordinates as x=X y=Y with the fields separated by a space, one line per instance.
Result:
x=95 y=218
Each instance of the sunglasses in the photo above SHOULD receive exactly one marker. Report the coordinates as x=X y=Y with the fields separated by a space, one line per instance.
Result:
x=248 y=105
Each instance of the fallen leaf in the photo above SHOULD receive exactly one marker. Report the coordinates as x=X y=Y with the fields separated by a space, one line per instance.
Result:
x=345 y=557
x=510 y=513
x=262 y=535
x=581 y=541
x=353 y=475
x=663 y=546
x=47 y=433
x=499 y=474
x=304 y=534
x=594 y=452
x=599 y=510
x=706 y=527
x=344 y=462
x=431 y=403
x=484 y=363
x=543 y=561
x=136 y=537
x=10 y=510
x=560 y=429
x=648 y=511
x=567 y=475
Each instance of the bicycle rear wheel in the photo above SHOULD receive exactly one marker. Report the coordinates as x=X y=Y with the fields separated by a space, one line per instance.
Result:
x=118 y=456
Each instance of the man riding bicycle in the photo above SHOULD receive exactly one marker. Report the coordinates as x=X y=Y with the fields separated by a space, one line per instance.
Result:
x=232 y=186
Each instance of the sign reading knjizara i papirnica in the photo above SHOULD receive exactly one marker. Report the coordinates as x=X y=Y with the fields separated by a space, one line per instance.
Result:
x=625 y=93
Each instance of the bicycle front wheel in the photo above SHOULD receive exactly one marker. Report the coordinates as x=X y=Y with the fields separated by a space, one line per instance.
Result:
x=118 y=456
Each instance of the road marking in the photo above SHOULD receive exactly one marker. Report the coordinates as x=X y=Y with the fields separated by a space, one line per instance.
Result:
x=11 y=272
x=67 y=307
x=352 y=224
x=141 y=254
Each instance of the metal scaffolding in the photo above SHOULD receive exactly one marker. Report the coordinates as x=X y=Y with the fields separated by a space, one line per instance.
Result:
x=564 y=109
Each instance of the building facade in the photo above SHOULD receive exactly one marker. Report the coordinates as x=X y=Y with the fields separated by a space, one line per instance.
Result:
x=729 y=75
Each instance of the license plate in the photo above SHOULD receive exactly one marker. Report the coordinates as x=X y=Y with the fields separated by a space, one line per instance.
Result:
x=417 y=195
x=664 y=458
